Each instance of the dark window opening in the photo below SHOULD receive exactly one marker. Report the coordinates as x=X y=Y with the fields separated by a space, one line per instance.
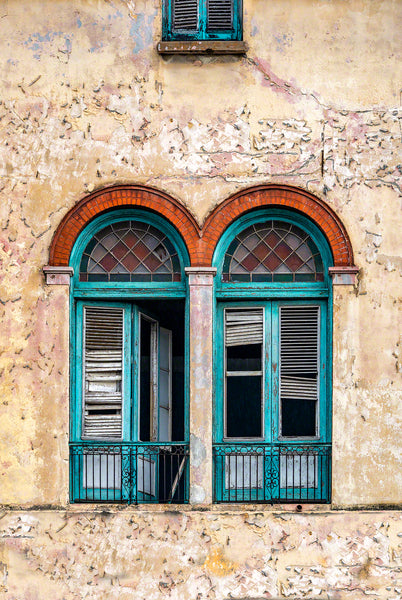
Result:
x=298 y=417
x=169 y=315
x=243 y=407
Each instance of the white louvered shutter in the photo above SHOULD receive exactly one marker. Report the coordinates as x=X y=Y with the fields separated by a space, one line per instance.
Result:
x=219 y=15
x=244 y=327
x=299 y=352
x=185 y=15
x=103 y=372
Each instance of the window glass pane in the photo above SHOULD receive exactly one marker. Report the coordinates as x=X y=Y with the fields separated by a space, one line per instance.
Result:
x=164 y=389
x=243 y=407
x=266 y=251
x=244 y=358
x=298 y=418
x=137 y=249
x=164 y=425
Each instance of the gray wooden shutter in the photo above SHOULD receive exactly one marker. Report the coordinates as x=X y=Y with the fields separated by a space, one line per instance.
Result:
x=299 y=352
x=103 y=371
x=244 y=327
x=185 y=15
x=219 y=15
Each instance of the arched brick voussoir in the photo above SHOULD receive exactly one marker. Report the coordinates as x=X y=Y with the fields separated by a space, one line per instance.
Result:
x=122 y=196
x=280 y=196
x=200 y=243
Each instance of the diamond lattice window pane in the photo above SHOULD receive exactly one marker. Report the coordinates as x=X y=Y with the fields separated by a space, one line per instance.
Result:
x=109 y=241
x=304 y=252
x=98 y=253
x=151 y=241
x=120 y=250
x=130 y=239
x=293 y=241
x=251 y=241
x=274 y=248
x=138 y=250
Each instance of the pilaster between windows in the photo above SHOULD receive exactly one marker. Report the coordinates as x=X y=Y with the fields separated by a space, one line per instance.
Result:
x=201 y=281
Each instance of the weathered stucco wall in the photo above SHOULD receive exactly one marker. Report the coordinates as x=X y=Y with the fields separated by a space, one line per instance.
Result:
x=154 y=555
x=87 y=102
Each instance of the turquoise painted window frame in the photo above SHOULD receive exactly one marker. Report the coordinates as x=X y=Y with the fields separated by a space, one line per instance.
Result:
x=169 y=34
x=271 y=403
x=271 y=296
x=120 y=295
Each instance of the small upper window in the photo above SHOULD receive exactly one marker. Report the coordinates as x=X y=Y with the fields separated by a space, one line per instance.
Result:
x=202 y=20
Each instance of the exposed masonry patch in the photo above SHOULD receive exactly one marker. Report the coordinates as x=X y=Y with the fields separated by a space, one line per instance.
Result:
x=391 y=263
x=344 y=147
x=363 y=147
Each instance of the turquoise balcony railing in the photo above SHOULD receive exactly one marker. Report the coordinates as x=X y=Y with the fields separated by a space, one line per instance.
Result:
x=272 y=473
x=130 y=473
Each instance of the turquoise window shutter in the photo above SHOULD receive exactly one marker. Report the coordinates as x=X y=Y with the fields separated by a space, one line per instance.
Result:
x=202 y=20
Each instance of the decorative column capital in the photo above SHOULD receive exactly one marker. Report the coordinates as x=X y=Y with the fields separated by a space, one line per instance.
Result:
x=200 y=276
x=343 y=275
x=58 y=275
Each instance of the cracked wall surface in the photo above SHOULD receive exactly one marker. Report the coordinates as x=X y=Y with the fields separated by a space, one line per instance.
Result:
x=227 y=555
x=86 y=102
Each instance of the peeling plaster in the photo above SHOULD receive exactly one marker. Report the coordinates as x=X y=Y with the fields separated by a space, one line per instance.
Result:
x=198 y=450
x=150 y=555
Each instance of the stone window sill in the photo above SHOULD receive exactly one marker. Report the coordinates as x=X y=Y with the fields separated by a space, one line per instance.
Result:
x=202 y=47
x=222 y=508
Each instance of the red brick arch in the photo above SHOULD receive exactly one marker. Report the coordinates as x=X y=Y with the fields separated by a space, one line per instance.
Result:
x=200 y=242
x=283 y=196
x=122 y=196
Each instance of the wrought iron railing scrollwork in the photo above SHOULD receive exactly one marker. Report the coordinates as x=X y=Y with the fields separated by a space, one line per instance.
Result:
x=131 y=473
x=272 y=473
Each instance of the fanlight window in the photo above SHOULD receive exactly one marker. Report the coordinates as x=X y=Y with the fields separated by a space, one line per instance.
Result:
x=272 y=251
x=130 y=251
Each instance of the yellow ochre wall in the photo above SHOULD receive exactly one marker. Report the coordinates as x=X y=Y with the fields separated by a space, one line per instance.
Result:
x=87 y=102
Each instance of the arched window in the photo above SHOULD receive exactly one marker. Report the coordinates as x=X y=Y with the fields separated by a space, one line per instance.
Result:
x=129 y=405
x=273 y=401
